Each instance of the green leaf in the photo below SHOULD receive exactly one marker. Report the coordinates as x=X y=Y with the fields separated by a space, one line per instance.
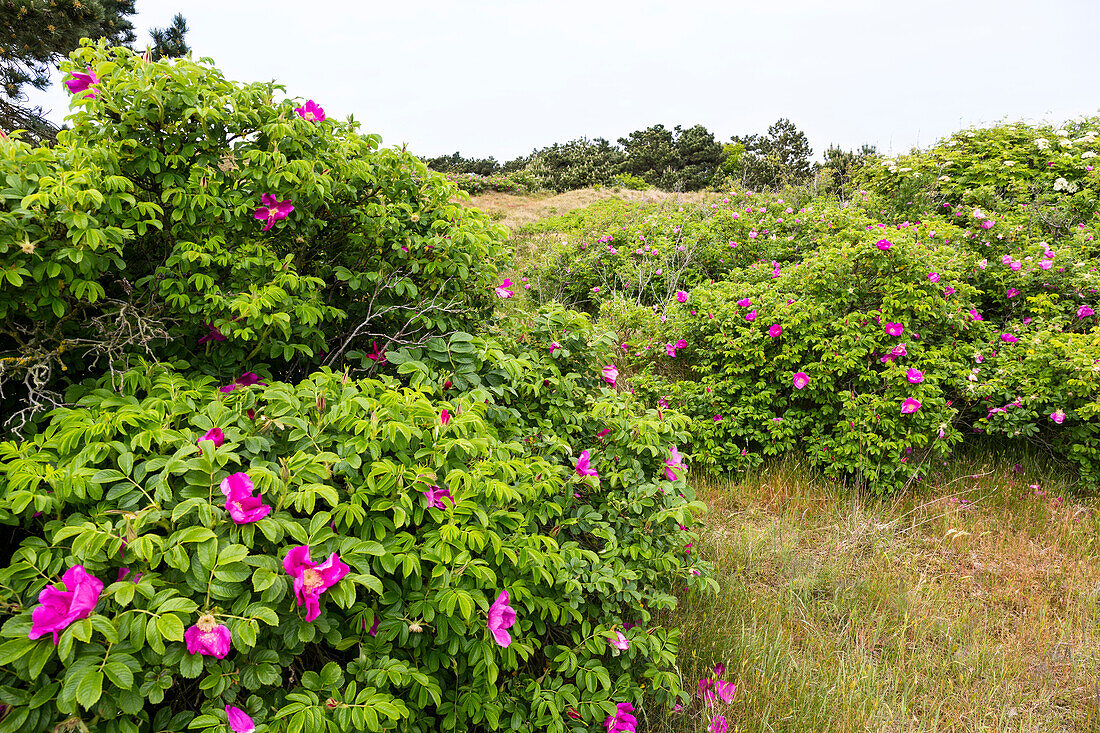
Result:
x=90 y=687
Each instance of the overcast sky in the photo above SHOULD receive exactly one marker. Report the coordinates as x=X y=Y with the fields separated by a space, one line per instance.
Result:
x=501 y=77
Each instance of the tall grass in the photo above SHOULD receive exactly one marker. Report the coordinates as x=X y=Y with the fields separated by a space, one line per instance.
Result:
x=967 y=605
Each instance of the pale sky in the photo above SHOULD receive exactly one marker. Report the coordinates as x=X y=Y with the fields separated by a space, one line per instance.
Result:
x=501 y=77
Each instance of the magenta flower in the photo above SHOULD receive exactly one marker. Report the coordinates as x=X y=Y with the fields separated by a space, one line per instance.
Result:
x=584 y=466
x=377 y=354
x=751 y=316
x=208 y=637
x=273 y=210
x=436 y=495
x=895 y=329
x=444 y=416
x=619 y=642
x=895 y=352
x=975 y=315
x=311 y=111
x=883 y=244
x=622 y=721
x=82 y=82
x=987 y=224
x=800 y=380
x=1084 y=312
x=675 y=462
x=501 y=617
x=745 y=302
x=243 y=507
x=214 y=435
x=718 y=724
x=247 y=379
x=915 y=376
x=681 y=344
x=214 y=334
x=775 y=330
x=239 y=721
x=1057 y=416
x=934 y=277
x=1009 y=338
x=610 y=374
x=502 y=290
x=948 y=291
x=312 y=579
x=374 y=627
x=910 y=406
x=670 y=350
x=59 y=608
x=553 y=346
x=681 y=296
x=725 y=690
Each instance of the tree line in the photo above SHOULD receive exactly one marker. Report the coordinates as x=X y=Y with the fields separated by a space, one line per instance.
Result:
x=676 y=159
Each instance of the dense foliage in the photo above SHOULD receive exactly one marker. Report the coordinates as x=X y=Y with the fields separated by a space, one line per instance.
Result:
x=138 y=232
x=952 y=296
x=274 y=463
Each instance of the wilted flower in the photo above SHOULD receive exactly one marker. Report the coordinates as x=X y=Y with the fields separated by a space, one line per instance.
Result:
x=59 y=608
x=247 y=379
x=208 y=637
x=273 y=210
x=501 y=617
x=214 y=334
x=312 y=579
x=311 y=111
x=610 y=374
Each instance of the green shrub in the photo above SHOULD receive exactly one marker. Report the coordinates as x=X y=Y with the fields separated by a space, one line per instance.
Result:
x=118 y=485
x=138 y=234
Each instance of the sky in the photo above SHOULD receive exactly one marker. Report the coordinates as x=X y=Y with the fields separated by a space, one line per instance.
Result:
x=503 y=77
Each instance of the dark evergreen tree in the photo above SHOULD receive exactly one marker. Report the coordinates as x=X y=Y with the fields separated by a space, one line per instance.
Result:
x=778 y=158
x=170 y=42
x=35 y=35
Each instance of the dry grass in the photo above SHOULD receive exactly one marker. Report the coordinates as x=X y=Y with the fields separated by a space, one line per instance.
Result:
x=842 y=613
x=514 y=211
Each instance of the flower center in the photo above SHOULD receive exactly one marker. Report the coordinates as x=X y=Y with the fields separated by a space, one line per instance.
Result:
x=312 y=579
x=310 y=116
x=206 y=624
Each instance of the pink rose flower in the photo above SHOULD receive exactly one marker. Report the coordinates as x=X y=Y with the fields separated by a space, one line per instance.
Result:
x=208 y=637
x=800 y=380
x=312 y=579
x=243 y=507
x=311 y=112
x=501 y=618
x=214 y=435
x=59 y=608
